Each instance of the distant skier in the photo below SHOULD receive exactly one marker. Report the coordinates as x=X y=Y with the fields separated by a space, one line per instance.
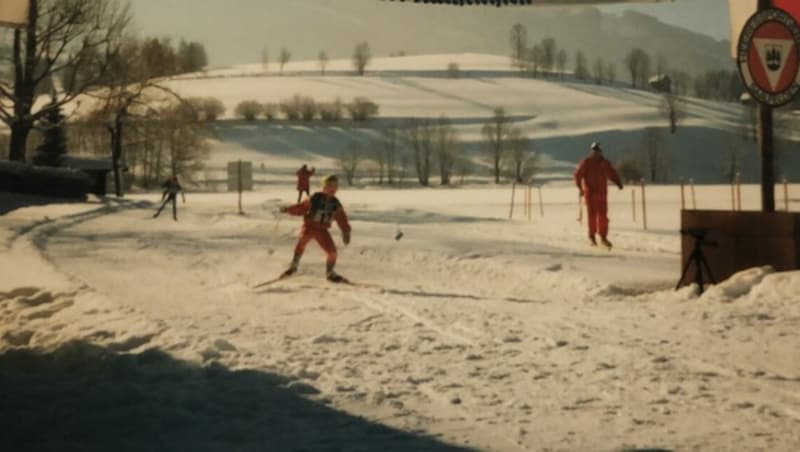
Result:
x=591 y=177
x=171 y=189
x=318 y=212
x=304 y=181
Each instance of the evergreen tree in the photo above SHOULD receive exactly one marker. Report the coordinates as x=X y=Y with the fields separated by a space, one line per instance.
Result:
x=54 y=142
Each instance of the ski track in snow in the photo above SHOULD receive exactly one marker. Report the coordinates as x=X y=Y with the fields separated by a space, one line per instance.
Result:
x=494 y=345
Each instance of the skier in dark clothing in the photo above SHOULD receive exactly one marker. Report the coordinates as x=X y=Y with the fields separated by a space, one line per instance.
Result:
x=304 y=181
x=171 y=189
x=318 y=213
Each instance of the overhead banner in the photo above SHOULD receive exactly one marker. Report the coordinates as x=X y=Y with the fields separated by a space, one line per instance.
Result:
x=13 y=13
x=742 y=10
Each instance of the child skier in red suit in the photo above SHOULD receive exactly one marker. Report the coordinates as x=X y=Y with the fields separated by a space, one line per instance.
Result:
x=318 y=213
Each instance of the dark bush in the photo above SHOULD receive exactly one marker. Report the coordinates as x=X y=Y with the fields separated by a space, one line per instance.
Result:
x=43 y=181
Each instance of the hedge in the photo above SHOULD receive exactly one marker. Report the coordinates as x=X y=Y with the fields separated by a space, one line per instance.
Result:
x=18 y=177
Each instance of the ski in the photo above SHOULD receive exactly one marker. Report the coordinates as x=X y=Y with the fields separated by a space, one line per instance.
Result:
x=280 y=278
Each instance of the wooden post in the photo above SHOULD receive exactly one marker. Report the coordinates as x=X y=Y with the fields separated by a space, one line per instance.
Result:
x=633 y=203
x=513 y=194
x=530 y=203
x=786 y=193
x=644 y=206
x=683 y=195
x=694 y=198
x=241 y=212
x=738 y=192
x=541 y=202
x=733 y=195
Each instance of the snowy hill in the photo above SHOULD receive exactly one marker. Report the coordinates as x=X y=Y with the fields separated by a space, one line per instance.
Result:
x=562 y=117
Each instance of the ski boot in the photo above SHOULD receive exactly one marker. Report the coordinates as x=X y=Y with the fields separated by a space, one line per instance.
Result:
x=592 y=242
x=606 y=243
x=334 y=277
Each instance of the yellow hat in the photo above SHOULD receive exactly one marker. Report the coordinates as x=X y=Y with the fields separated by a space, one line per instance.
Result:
x=330 y=179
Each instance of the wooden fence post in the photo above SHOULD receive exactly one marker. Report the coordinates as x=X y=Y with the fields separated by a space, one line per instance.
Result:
x=541 y=202
x=694 y=198
x=633 y=203
x=786 y=193
x=683 y=195
x=241 y=212
x=644 y=205
x=738 y=192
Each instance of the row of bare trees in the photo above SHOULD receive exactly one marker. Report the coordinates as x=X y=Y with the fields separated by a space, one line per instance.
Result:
x=305 y=108
x=362 y=56
x=430 y=146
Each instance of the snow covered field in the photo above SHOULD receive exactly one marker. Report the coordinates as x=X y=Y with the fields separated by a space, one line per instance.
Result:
x=121 y=332
x=561 y=116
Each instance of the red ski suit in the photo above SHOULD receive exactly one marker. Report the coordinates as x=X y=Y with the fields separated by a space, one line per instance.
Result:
x=304 y=179
x=318 y=213
x=592 y=177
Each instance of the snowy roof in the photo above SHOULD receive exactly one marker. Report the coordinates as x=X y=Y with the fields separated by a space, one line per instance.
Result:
x=84 y=163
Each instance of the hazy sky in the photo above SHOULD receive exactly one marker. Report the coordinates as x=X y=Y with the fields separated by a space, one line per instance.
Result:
x=234 y=29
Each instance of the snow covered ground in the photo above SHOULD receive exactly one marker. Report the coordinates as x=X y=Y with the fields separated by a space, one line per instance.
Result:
x=121 y=332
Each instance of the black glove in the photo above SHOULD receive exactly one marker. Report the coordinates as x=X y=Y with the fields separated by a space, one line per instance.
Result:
x=346 y=237
x=620 y=186
x=283 y=209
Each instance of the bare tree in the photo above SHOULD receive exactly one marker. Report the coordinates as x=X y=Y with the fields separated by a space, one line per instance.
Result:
x=638 y=63
x=447 y=148
x=535 y=58
x=522 y=159
x=453 y=70
x=561 y=62
x=548 y=46
x=599 y=71
x=611 y=73
x=323 y=62
x=127 y=95
x=265 y=60
x=518 y=40
x=495 y=134
x=284 y=57
x=672 y=107
x=361 y=57
x=75 y=39
x=349 y=161
x=389 y=147
x=656 y=159
x=249 y=110
x=419 y=138
x=581 y=68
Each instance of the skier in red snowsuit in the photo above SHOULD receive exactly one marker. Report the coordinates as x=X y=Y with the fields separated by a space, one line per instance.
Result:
x=592 y=177
x=318 y=213
x=304 y=181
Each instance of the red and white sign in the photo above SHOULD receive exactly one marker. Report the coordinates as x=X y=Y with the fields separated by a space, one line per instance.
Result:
x=742 y=10
x=769 y=57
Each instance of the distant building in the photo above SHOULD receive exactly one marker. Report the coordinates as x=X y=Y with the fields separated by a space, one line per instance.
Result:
x=98 y=169
x=661 y=83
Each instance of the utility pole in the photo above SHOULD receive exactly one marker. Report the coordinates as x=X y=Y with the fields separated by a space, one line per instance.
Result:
x=766 y=144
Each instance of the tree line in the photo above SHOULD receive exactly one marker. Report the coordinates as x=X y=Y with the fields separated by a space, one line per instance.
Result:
x=430 y=148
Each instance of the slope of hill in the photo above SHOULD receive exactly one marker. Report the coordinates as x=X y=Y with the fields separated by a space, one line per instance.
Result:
x=562 y=117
